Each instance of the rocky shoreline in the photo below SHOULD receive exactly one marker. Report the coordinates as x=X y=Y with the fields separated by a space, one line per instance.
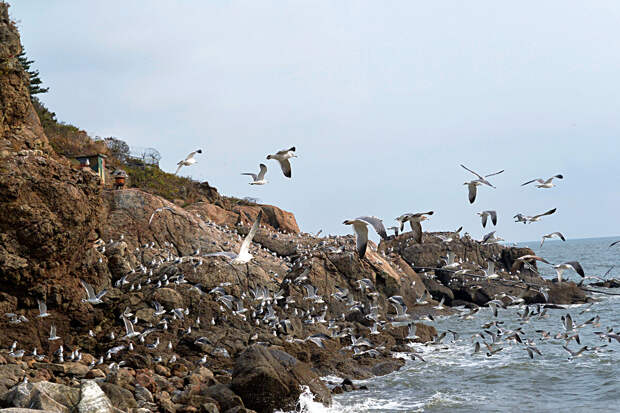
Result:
x=198 y=349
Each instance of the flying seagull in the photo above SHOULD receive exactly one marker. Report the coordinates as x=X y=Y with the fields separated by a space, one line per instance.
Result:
x=92 y=297
x=485 y=214
x=526 y=259
x=187 y=161
x=491 y=238
x=414 y=220
x=549 y=236
x=244 y=255
x=159 y=210
x=614 y=243
x=53 y=336
x=260 y=178
x=535 y=218
x=283 y=156
x=472 y=185
x=544 y=183
x=570 y=265
x=360 y=226
x=481 y=179
x=42 y=309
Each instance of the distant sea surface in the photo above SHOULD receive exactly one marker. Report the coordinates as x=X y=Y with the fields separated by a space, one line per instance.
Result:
x=455 y=380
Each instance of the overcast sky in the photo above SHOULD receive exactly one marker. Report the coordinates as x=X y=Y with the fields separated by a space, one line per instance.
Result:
x=383 y=101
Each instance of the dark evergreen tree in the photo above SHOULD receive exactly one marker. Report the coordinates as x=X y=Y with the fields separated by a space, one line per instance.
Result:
x=35 y=82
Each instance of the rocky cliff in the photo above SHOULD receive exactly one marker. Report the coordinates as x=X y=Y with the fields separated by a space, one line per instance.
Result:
x=177 y=329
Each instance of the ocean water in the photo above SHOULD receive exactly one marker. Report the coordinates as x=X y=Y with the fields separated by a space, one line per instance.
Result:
x=453 y=379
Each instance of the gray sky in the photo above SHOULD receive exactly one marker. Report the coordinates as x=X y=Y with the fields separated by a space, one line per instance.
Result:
x=383 y=100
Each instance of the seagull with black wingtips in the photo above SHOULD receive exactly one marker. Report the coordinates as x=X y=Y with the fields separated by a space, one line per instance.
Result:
x=544 y=183
x=283 y=157
x=360 y=226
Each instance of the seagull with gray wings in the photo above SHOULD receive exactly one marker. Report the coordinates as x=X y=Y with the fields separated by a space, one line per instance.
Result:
x=414 y=220
x=485 y=214
x=360 y=226
x=260 y=178
x=188 y=161
x=283 y=157
x=244 y=255
x=473 y=185
x=544 y=183
x=529 y=219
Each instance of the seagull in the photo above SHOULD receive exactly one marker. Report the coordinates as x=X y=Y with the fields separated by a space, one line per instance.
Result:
x=485 y=214
x=42 y=309
x=53 y=336
x=260 y=178
x=244 y=255
x=570 y=265
x=283 y=156
x=360 y=226
x=549 y=236
x=491 y=238
x=188 y=161
x=414 y=220
x=526 y=258
x=535 y=218
x=92 y=297
x=130 y=332
x=159 y=210
x=544 y=183
x=472 y=185
x=577 y=353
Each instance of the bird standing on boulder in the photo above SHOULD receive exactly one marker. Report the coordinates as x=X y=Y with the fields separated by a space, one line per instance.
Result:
x=283 y=156
x=360 y=226
x=187 y=161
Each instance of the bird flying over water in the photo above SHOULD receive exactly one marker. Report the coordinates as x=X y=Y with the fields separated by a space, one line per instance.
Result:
x=549 y=236
x=283 y=157
x=535 y=218
x=260 y=178
x=570 y=265
x=544 y=183
x=187 y=161
x=360 y=226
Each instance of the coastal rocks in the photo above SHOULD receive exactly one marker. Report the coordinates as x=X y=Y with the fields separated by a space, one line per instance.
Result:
x=268 y=378
x=387 y=367
x=43 y=395
x=93 y=399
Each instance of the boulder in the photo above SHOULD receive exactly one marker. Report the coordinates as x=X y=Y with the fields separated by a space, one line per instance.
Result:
x=269 y=379
x=93 y=399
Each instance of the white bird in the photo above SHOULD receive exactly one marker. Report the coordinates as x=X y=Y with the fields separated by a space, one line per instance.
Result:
x=485 y=214
x=414 y=220
x=244 y=255
x=544 y=183
x=360 y=226
x=260 y=178
x=53 y=335
x=472 y=185
x=283 y=157
x=570 y=265
x=549 y=236
x=187 y=161
x=159 y=210
x=491 y=238
x=42 y=309
x=129 y=330
x=535 y=218
x=92 y=297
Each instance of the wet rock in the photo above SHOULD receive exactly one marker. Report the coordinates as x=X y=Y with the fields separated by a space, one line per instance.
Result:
x=269 y=379
x=224 y=396
x=387 y=367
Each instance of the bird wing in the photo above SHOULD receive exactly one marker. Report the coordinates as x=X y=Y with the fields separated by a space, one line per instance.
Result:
x=529 y=182
x=179 y=168
x=559 y=234
x=487 y=236
x=128 y=326
x=254 y=176
x=475 y=173
x=89 y=289
x=577 y=267
x=361 y=238
x=416 y=227
x=191 y=155
x=245 y=246
x=494 y=173
x=551 y=211
x=614 y=243
x=559 y=176
x=52 y=331
x=472 y=192
x=263 y=171
x=484 y=219
x=377 y=224
x=286 y=167
x=283 y=151
x=493 y=217
x=42 y=307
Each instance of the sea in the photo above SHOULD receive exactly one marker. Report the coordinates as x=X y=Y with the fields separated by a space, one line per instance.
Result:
x=454 y=379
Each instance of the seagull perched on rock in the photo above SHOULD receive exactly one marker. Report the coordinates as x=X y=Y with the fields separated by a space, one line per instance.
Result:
x=570 y=265
x=244 y=255
x=549 y=236
x=188 y=161
x=472 y=185
x=535 y=218
x=485 y=214
x=92 y=297
x=260 y=178
x=544 y=183
x=360 y=226
x=414 y=220
x=283 y=157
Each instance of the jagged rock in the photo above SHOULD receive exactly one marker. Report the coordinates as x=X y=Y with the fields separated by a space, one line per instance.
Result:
x=120 y=397
x=44 y=396
x=386 y=367
x=224 y=396
x=269 y=378
x=93 y=399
